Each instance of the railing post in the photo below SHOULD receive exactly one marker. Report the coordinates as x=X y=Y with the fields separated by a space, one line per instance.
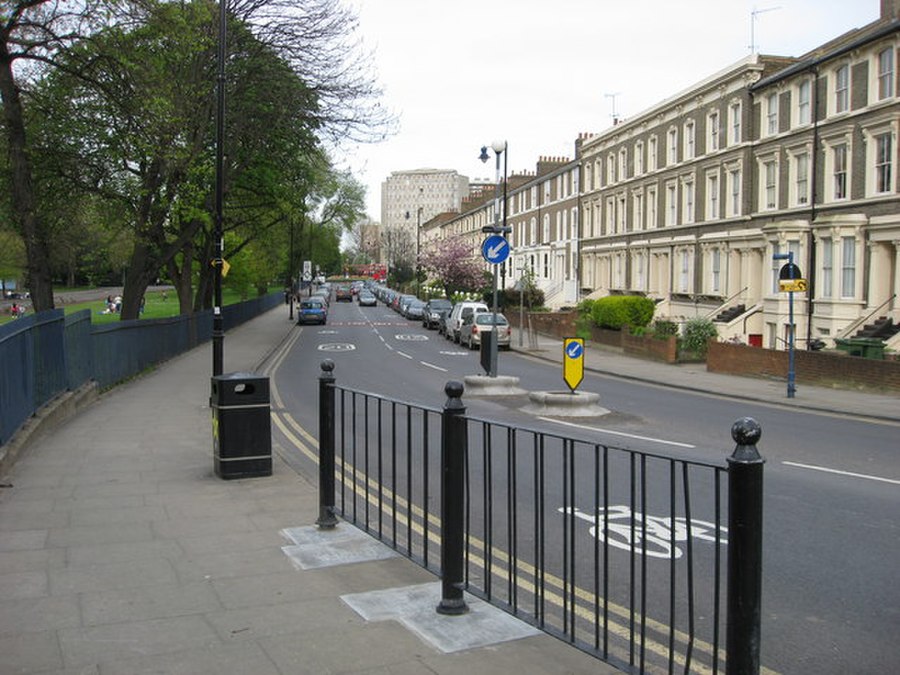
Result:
x=327 y=519
x=454 y=446
x=745 y=521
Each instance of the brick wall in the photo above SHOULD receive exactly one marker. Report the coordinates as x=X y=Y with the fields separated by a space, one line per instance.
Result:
x=822 y=368
x=650 y=347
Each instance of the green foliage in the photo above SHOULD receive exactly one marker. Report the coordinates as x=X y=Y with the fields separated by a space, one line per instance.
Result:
x=583 y=326
x=617 y=311
x=697 y=332
x=663 y=329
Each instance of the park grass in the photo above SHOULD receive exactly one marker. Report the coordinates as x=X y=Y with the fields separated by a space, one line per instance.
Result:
x=157 y=305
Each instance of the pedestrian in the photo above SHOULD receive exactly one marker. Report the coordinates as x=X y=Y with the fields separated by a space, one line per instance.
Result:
x=14 y=310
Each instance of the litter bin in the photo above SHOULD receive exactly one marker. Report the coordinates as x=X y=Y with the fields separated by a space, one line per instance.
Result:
x=242 y=430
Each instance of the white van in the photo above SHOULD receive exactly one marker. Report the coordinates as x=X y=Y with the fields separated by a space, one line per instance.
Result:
x=459 y=312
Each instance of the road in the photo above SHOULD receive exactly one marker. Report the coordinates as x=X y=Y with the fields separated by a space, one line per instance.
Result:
x=831 y=597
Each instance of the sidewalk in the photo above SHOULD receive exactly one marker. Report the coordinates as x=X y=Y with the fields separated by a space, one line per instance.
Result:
x=121 y=551
x=694 y=377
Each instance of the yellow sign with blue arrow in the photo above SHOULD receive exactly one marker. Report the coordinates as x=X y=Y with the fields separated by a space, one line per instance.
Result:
x=573 y=362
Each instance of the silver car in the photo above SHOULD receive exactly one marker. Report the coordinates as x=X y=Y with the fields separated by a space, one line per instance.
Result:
x=475 y=325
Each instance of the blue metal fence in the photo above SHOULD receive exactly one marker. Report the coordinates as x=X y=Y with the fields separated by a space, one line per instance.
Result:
x=47 y=353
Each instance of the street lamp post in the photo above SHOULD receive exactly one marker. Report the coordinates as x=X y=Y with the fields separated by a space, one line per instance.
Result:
x=218 y=331
x=789 y=256
x=499 y=148
x=291 y=272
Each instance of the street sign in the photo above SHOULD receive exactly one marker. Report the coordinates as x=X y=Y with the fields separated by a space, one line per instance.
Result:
x=573 y=362
x=792 y=285
x=495 y=249
x=789 y=271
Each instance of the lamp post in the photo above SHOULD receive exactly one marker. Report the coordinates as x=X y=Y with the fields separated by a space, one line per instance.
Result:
x=218 y=332
x=521 y=271
x=499 y=148
x=791 y=274
x=291 y=272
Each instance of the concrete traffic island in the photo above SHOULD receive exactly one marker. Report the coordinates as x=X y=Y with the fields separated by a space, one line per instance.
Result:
x=484 y=385
x=565 y=404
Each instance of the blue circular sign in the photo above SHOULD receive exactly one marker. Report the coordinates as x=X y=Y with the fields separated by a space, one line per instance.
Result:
x=574 y=350
x=495 y=249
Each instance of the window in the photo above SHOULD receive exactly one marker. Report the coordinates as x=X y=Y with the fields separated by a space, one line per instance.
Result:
x=848 y=267
x=688 y=201
x=684 y=277
x=689 y=140
x=545 y=229
x=839 y=171
x=651 y=208
x=620 y=214
x=712 y=131
x=885 y=73
x=610 y=215
x=827 y=267
x=842 y=89
x=734 y=192
x=638 y=158
x=639 y=271
x=652 y=154
x=712 y=196
x=610 y=169
x=672 y=147
x=772 y=114
x=770 y=181
x=883 y=161
x=671 y=204
x=623 y=164
x=637 y=211
x=801 y=179
x=803 y=110
x=734 y=122
x=716 y=270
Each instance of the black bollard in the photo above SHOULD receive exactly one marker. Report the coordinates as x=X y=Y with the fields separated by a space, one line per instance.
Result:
x=327 y=520
x=745 y=522
x=454 y=446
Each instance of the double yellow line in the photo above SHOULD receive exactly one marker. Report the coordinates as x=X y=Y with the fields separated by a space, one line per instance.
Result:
x=553 y=586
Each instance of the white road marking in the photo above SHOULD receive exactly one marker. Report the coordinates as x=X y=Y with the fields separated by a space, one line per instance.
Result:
x=619 y=433
x=431 y=365
x=405 y=356
x=336 y=347
x=851 y=474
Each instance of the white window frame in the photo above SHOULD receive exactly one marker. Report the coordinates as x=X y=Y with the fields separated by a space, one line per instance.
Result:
x=652 y=215
x=684 y=276
x=690 y=138
x=712 y=131
x=880 y=160
x=848 y=267
x=622 y=168
x=621 y=212
x=839 y=100
x=688 y=194
x=799 y=171
x=803 y=109
x=639 y=158
x=768 y=182
x=884 y=74
x=735 y=191
x=734 y=123
x=637 y=210
x=671 y=203
x=610 y=215
x=712 y=195
x=826 y=288
x=671 y=146
x=771 y=125
x=639 y=266
x=715 y=270
x=652 y=153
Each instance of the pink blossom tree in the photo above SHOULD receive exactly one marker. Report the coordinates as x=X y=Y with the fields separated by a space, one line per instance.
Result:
x=453 y=264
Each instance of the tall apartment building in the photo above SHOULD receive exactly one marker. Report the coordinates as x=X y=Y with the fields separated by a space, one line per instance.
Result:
x=408 y=197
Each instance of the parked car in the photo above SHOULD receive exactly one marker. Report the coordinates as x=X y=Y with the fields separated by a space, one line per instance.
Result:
x=415 y=310
x=366 y=299
x=312 y=310
x=401 y=302
x=459 y=312
x=477 y=324
x=343 y=293
x=442 y=321
x=432 y=312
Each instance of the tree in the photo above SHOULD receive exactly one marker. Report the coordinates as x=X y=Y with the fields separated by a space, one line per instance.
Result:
x=454 y=265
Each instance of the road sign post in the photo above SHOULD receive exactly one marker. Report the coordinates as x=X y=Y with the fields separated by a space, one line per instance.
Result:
x=791 y=277
x=495 y=250
x=573 y=362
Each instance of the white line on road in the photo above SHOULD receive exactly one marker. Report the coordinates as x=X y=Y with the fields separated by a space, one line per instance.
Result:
x=431 y=365
x=405 y=356
x=851 y=474
x=619 y=433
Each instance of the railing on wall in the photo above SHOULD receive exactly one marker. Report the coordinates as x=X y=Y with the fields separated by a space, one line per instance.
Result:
x=47 y=353
x=618 y=552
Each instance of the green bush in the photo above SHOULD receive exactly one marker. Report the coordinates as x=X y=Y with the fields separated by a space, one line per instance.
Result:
x=616 y=311
x=663 y=329
x=697 y=332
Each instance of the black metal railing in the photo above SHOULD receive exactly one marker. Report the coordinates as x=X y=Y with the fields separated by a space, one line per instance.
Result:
x=621 y=553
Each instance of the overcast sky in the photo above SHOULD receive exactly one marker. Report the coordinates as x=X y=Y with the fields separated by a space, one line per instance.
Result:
x=462 y=73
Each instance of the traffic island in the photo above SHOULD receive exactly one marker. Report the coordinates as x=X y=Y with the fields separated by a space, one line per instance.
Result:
x=484 y=385
x=564 y=404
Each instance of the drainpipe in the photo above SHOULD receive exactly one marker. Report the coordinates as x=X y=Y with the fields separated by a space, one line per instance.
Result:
x=813 y=196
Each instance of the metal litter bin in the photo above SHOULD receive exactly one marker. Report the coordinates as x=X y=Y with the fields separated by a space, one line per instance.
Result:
x=242 y=431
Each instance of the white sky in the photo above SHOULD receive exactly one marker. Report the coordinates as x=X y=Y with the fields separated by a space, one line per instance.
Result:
x=462 y=73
